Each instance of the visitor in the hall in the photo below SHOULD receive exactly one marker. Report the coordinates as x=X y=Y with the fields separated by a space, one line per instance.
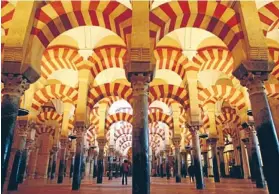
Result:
x=125 y=171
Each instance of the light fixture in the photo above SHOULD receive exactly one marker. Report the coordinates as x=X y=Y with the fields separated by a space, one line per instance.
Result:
x=22 y=112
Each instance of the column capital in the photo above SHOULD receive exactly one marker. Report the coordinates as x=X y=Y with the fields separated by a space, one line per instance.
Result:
x=212 y=141
x=176 y=141
x=29 y=143
x=14 y=84
x=23 y=128
x=221 y=148
x=101 y=142
x=64 y=143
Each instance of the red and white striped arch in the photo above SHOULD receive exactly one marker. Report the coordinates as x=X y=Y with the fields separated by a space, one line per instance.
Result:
x=211 y=16
x=124 y=139
x=225 y=92
x=126 y=145
x=49 y=115
x=109 y=89
x=110 y=100
x=59 y=57
x=159 y=116
x=54 y=91
x=269 y=16
x=124 y=130
x=171 y=58
x=274 y=54
x=169 y=91
x=105 y=57
x=91 y=136
x=272 y=90
x=205 y=122
x=231 y=132
x=7 y=12
x=214 y=58
x=228 y=116
x=44 y=129
x=118 y=117
x=57 y=17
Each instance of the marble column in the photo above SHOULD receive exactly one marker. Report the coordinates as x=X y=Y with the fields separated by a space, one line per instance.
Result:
x=72 y=164
x=43 y=157
x=263 y=120
x=213 y=142
x=161 y=154
x=167 y=152
x=197 y=157
x=256 y=163
x=50 y=164
x=140 y=143
x=176 y=142
x=32 y=165
x=222 y=161
x=53 y=166
x=22 y=170
x=111 y=151
x=205 y=165
x=80 y=130
x=19 y=156
x=100 y=163
x=14 y=87
x=62 y=163
x=247 y=143
x=239 y=152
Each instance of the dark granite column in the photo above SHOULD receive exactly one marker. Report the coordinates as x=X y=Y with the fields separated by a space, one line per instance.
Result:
x=53 y=166
x=140 y=147
x=62 y=163
x=197 y=157
x=176 y=142
x=80 y=130
x=22 y=167
x=221 y=160
x=72 y=164
x=14 y=87
x=111 y=151
x=247 y=142
x=100 y=162
x=167 y=151
x=257 y=167
x=50 y=165
x=213 y=142
x=205 y=166
x=20 y=156
x=161 y=154
x=241 y=171
x=263 y=119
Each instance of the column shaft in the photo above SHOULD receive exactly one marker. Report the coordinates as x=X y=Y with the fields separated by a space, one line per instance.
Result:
x=222 y=161
x=205 y=166
x=197 y=159
x=100 y=166
x=62 y=164
x=53 y=166
x=213 y=143
x=140 y=143
x=177 y=165
x=33 y=163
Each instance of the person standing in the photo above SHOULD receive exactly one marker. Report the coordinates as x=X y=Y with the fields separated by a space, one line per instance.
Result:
x=125 y=171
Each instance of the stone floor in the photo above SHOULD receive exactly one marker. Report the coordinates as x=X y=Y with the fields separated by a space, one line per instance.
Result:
x=158 y=186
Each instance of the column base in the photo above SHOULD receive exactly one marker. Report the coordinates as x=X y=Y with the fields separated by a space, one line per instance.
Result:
x=178 y=179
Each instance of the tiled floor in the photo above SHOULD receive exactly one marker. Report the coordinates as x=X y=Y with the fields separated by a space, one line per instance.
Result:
x=158 y=186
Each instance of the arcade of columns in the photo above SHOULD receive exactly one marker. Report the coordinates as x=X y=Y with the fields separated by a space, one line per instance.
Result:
x=191 y=107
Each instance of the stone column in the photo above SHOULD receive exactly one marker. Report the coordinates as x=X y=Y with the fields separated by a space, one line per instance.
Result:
x=161 y=154
x=205 y=166
x=256 y=164
x=213 y=142
x=111 y=151
x=53 y=166
x=50 y=164
x=43 y=157
x=140 y=147
x=239 y=152
x=247 y=143
x=263 y=119
x=80 y=130
x=167 y=152
x=22 y=131
x=32 y=165
x=222 y=161
x=14 y=87
x=176 y=142
x=100 y=163
x=22 y=170
x=63 y=150
x=197 y=157
x=72 y=164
